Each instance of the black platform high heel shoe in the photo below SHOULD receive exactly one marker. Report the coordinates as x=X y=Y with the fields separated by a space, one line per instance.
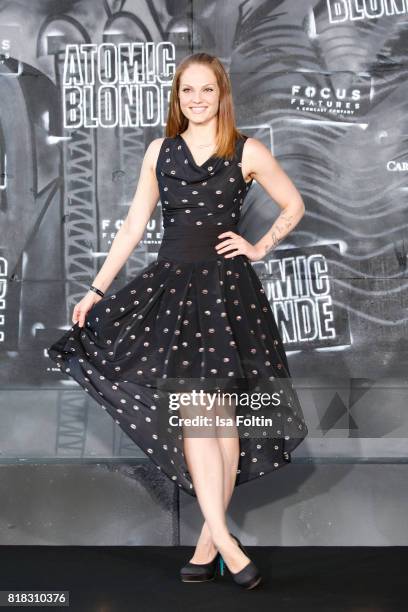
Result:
x=249 y=577
x=202 y=572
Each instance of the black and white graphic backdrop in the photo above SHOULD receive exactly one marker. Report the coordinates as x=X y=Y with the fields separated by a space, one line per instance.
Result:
x=84 y=88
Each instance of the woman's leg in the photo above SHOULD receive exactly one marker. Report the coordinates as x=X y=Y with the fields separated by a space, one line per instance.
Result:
x=228 y=441
x=206 y=466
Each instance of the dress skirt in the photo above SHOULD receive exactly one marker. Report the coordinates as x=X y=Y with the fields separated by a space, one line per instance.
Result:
x=192 y=320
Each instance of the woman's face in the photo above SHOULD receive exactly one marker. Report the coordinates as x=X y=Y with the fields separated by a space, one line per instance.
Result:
x=199 y=93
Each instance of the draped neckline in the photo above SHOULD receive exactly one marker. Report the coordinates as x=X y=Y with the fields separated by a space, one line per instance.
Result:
x=190 y=155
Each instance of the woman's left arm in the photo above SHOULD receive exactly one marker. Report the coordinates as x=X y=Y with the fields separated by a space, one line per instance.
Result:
x=259 y=163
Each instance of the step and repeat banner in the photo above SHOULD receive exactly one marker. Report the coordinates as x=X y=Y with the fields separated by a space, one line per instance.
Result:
x=84 y=88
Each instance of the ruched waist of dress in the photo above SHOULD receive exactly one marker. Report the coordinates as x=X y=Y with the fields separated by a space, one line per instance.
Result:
x=192 y=243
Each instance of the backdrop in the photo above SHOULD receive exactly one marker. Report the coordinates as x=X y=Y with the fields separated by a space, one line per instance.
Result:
x=84 y=88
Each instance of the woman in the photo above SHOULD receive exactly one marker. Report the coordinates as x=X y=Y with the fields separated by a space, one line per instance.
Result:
x=197 y=314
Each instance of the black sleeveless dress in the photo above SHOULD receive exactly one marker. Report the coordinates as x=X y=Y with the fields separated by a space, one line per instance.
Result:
x=190 y=320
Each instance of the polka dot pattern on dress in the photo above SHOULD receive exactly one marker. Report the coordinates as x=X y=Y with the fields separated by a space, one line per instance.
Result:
x=190 y=319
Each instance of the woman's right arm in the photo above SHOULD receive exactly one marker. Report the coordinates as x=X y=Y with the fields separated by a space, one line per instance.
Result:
x=130 y=233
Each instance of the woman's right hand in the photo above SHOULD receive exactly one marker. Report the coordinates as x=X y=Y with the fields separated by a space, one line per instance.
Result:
x=84 y=306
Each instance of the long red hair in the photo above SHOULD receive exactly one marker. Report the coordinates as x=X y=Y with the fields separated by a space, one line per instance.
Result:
x=227 y=132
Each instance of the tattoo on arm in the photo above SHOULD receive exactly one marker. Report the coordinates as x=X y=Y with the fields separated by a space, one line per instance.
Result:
x=280 y=228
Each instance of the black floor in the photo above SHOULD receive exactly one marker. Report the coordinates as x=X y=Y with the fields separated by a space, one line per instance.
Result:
x=146 y=579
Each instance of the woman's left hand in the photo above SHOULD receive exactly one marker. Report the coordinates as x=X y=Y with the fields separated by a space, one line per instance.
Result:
x=234 y=244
